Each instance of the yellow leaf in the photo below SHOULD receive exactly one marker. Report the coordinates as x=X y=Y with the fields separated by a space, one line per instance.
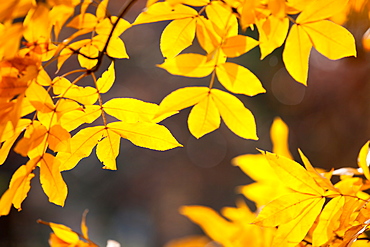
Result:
x=236 y=117
x=37 y=24
x=216 y=227
x=10 y=45
x=58 y=16
x=58 y=139
x=105 y=82
x=85 y=21
x=101 y=10
x=82 y=144
x=190 y=65
x=238 y=45
x=18 y=187
x=14 y=8
x=190 y=241
x=293 y=232
x=320 y=179
x=148 y=135
x=39 y=98
x=163 y=11
x=107 y=149
x=293 y=174
x=224 y=21
x=84 y=228
x=273 y=32
x=73 y=119
x=284 y=209
x=296 y=53
x=320 y=9
x=131 y=110
x=33 y=140
x=328 y=221
x=363 y=159
x=277 y=8
x=279 y=136
x=64 y=233
x=88 y=56
x=116 y=48
x=238 y=79
x=204 y=118
x=177 y=36
x=206 y=35
x=105 y=26
x=182 y=98
x=330 y=39
x=10 y=136
x=51 y=180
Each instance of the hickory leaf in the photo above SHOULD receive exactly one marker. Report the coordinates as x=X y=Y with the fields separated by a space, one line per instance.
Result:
x=177 y=36
x=105 y=82
x=182 y=98
x=204 y=117
x=163 y=11
x=108 y=148
x=236 y=117
x=238 y=79
x=190 y=65
x=18 y=187
x=81 y=144
x=296 y=53
x=148 y=135
x=238 y=45
x=51 y=179
x=330 y=39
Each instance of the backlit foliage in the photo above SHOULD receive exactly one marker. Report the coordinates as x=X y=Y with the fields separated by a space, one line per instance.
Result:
x=55 y=119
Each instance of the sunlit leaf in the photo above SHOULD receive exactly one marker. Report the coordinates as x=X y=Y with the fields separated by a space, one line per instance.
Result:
x=238 y=79
x=204 y=118
x=236 y=117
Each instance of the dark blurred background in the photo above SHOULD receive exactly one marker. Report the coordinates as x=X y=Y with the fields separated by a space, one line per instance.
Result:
x=138 y=204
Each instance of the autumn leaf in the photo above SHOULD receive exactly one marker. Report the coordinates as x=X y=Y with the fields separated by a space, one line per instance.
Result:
x=238 y=79
x=293 y=174
x=236 y=117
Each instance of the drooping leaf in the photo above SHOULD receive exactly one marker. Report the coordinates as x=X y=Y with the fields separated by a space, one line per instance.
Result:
x=51 y=180
x=204 y=118
x=105 y=82
x=108 y=148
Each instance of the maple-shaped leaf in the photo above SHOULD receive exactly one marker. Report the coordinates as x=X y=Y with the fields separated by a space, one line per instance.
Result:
x=293 y=232
x=293 y=174
x=328 y=221
x=238 y=79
